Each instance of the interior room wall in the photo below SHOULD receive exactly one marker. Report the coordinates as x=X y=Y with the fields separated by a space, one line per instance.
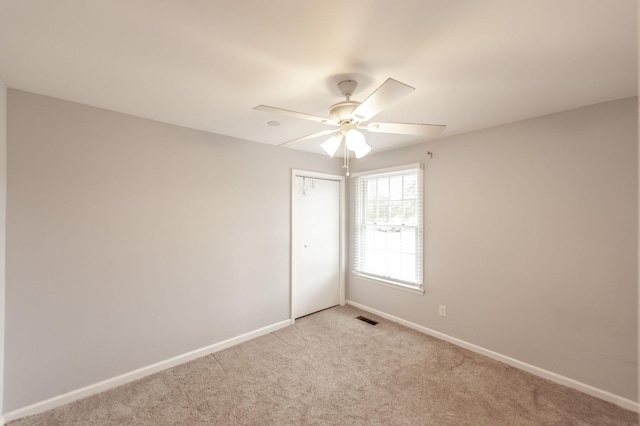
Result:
x=531 y=237
x=131 y=241
x=3 y=206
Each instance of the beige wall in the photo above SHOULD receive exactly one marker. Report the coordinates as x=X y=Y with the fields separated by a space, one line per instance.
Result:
x=132 y=241
x=531 y=243
x=3 y=206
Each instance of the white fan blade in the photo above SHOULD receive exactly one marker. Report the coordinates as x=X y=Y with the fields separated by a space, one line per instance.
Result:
x=295 y=114
x=313 y=136
x=406 y=128
x=389 y=92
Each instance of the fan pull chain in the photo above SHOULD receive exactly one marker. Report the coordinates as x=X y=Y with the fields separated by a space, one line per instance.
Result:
x=345 y=164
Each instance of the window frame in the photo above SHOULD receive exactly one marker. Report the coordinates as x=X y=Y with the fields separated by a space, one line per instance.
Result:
x=360 y=224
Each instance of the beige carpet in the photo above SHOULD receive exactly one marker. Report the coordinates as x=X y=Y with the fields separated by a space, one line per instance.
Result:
x=332 y=369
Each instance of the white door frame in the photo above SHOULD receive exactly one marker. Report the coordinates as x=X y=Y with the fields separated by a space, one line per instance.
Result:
x=343 y=247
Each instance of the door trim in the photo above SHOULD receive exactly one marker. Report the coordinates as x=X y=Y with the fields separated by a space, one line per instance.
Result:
x=342 y=237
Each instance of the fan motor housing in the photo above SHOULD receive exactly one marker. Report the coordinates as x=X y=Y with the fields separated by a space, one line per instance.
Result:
x=342 y=111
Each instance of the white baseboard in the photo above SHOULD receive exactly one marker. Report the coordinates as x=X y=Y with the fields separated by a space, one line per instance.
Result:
x=122 y=379
x=557 y=378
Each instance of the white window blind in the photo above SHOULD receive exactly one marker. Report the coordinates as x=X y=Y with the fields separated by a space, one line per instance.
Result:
x=388 y=225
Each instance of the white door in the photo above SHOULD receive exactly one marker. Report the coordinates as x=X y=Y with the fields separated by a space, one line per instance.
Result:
x=316 y=245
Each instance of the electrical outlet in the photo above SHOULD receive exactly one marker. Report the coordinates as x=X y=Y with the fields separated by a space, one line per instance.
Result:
x=442 y=310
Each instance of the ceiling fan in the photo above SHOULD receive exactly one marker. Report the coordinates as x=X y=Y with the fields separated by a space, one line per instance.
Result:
x=352 y=116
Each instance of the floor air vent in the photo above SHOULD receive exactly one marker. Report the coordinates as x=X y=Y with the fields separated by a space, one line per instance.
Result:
x=365 y=319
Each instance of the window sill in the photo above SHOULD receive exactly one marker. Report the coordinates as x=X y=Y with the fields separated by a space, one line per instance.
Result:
x=390 y=283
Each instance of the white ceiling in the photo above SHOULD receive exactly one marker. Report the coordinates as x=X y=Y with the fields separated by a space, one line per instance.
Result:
x=206 y=64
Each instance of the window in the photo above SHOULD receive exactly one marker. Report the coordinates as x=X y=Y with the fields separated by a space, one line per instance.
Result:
x=388 y=225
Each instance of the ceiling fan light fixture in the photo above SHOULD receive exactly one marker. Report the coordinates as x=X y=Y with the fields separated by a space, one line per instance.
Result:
x=354 y=139
x=331 y=145
x=362 y=151
x=356 y=142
